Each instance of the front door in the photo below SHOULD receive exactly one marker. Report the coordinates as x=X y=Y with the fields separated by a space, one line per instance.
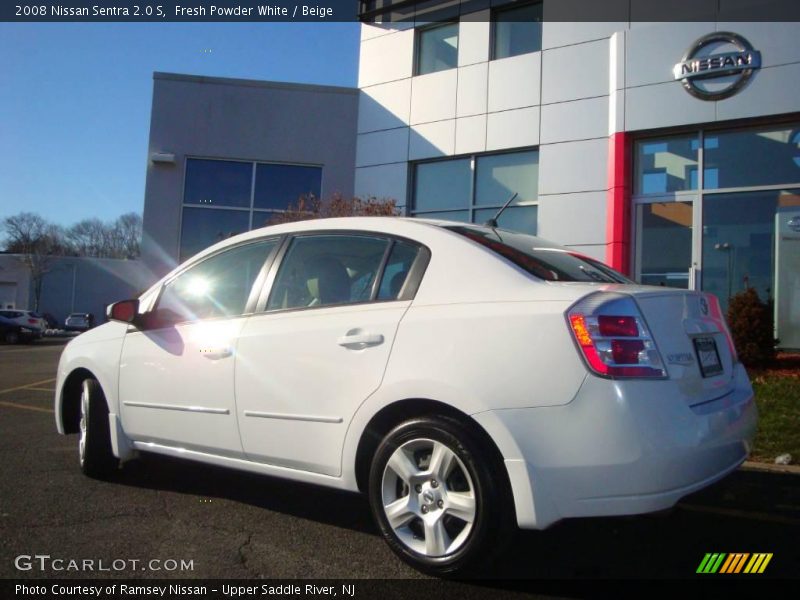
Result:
x=177 y=376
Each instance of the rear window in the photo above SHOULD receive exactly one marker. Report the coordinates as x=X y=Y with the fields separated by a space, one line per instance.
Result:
x=540 y=258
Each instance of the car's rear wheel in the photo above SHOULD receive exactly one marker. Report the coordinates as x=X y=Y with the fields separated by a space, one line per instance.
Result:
x=97 y=460
x=435 y=498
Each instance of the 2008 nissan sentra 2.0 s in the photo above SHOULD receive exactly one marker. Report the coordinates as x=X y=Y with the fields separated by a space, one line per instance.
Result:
x=468 y=379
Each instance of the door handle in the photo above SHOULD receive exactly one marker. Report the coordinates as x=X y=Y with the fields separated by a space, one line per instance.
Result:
x=216 y=353
x=357 y=340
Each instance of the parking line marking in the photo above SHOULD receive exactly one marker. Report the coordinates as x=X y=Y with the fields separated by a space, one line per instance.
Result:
x=26 y=407
x=27 y=385
x=733 y=512
x=40 y=389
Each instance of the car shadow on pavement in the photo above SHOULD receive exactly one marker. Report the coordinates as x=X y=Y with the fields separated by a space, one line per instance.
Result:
x=749 y=512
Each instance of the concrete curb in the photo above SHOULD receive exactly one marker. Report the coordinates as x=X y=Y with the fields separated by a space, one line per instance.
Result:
x=771 y=468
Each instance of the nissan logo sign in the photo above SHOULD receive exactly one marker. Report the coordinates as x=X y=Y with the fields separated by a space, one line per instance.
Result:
x=695 y=68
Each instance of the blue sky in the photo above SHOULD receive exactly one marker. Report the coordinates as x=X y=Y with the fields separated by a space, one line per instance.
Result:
x=75 y=99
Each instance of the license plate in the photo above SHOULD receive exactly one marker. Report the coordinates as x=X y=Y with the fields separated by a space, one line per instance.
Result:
x=707 y=356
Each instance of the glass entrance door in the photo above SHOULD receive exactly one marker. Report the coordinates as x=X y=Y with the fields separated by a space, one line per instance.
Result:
x=664 y=244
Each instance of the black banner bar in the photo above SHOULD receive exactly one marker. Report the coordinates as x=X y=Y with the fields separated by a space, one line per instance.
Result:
x=391 y=10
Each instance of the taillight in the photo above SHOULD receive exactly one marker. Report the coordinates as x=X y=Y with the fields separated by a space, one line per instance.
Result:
x=32 y=321
x=715 y=313
x=613 y=337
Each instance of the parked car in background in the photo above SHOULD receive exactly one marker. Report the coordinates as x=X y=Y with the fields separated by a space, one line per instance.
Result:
x=468 y=379
x=26 y=318
x=12 y=333
x=79 y=322
x=52 y=322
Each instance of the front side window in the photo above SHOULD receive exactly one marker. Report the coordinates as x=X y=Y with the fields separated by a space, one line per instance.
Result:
x=437 y=48
x=216 y=287
x=326 y=270
x=517 y=30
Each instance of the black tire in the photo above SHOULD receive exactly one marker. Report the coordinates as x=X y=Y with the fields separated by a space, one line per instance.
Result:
x=493 y=522
x=11 y=337
x=94 y=447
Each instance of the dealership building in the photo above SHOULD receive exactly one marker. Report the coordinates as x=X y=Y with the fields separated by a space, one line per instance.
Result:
x=669 y=150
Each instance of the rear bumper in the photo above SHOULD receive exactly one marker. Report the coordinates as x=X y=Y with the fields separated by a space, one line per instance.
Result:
x=620 y=448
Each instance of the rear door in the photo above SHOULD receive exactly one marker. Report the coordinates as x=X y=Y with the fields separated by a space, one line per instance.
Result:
x=321 y=345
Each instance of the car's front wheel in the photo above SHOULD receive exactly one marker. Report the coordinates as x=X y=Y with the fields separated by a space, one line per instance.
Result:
x=97 y=460
x=435 y=497
x=11 y=337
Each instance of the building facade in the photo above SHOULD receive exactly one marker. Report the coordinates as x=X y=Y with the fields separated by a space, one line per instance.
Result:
x=669 y=150
x=225 y=154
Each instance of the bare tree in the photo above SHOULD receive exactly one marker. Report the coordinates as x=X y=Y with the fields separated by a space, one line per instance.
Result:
x=127 y=235
x=118 y=239
x=337 y=206
x=88 y=238
x=37 y=241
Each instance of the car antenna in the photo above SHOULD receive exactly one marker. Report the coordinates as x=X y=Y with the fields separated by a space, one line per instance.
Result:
x=493 y=221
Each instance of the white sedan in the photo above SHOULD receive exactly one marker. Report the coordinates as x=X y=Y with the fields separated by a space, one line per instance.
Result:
x=468 y=379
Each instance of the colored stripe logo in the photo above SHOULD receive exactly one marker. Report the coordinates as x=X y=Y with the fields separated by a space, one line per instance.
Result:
x=737 y=562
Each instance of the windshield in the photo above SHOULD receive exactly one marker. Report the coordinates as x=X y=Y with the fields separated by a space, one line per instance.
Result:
x=540 y=258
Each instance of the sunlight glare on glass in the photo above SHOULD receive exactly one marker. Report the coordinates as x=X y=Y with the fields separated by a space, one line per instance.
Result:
x=198 y=286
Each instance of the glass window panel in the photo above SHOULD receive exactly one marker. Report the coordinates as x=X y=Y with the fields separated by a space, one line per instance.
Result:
x=218 y=183
x=442 y=185
x=739 y=242
x=202 y=227
x=665 y=243
x=514 y=218
x=666 y=165
x=437 y=49
x=517 y=31
x=397 y=268
x=500 y=176
x=263 y=218
x=278 y=186
x=743 y=158
x=327 y=270
x=218 y=286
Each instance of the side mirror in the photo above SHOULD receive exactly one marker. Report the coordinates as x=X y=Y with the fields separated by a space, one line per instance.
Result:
x=124 y=311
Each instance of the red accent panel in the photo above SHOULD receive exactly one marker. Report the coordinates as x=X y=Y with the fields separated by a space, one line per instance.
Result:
x=618 y=205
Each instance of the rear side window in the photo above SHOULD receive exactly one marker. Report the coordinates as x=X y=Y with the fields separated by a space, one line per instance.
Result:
x=397 y=269
x=327 y=270
x=539 y=258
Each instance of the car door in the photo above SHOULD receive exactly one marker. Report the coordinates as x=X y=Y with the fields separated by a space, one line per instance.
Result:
x=321 y=346
x=177 y=374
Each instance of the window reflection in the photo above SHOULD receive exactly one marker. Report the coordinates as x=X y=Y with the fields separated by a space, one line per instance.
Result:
x=437 y=48
x=666 y=165
x=203 y=227
x=278 y=186
x=517 y=30
x=665 y=243
x=743 y=158
x=216 y=287
x=218 y=183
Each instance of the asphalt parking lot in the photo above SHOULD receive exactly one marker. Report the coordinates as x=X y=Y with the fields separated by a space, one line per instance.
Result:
x=236 y=525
